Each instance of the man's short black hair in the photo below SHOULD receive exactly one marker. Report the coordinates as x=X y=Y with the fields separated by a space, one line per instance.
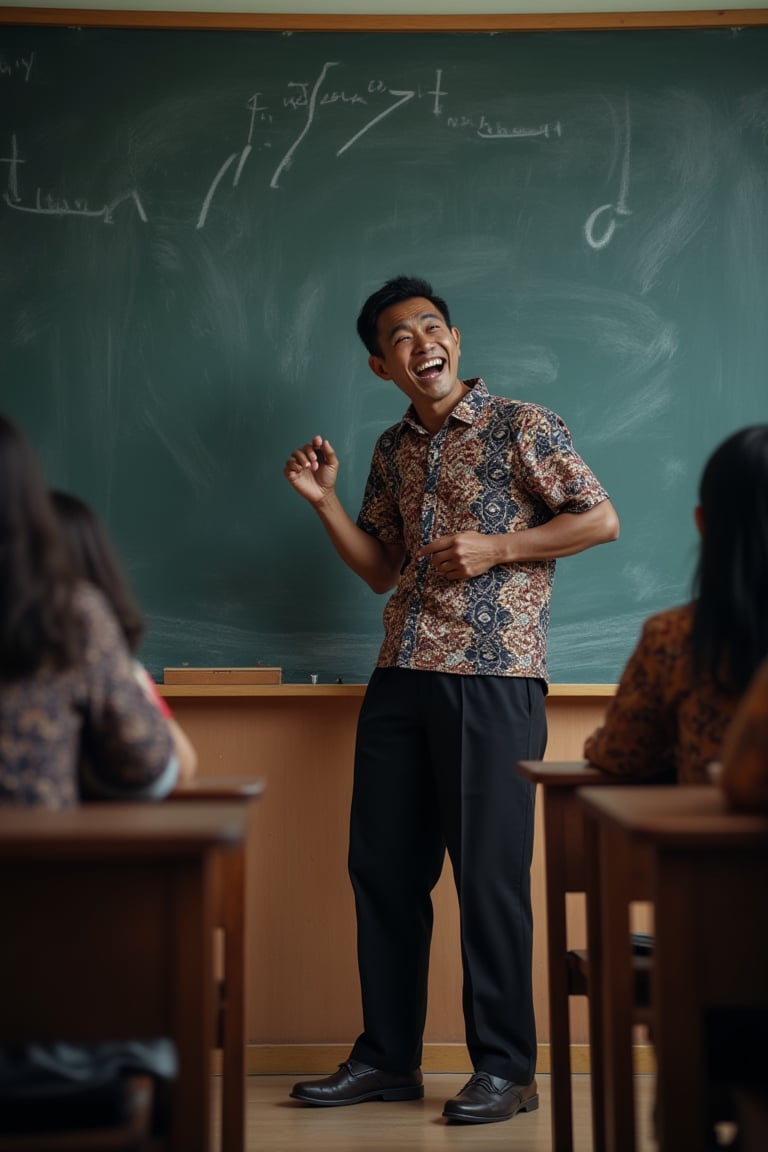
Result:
x=395 y=291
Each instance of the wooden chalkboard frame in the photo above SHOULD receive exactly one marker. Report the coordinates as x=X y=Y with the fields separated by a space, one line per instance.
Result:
x=358 y=22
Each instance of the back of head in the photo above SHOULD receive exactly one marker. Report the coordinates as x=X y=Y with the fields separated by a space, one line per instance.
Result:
x=94 y=559
x=395 y=291
x=37 y=625
x=730 y=634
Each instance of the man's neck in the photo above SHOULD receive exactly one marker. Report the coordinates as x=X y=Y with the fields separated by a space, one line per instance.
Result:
x=433 y=417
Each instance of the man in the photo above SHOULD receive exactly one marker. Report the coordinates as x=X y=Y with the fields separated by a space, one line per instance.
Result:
x=469 y=501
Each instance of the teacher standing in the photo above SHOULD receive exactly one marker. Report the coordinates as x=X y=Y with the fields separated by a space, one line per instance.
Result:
x=470 y=500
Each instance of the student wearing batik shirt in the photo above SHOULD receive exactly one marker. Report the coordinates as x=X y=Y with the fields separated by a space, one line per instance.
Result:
x=682 y=684
x=470 y=500
x=68 y=691
x=67 y=682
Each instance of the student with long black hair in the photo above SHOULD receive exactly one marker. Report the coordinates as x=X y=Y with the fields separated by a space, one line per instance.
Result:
x=693 y=663
x=67 y=684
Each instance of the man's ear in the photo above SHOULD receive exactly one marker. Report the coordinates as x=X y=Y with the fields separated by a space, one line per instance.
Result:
x=698 y=516
x=457 y=338
x=377 y=366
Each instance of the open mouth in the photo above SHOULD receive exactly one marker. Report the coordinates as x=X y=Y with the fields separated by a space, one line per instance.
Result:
x=430 y=369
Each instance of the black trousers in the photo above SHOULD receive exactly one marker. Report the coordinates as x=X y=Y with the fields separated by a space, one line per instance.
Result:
x=435 y=768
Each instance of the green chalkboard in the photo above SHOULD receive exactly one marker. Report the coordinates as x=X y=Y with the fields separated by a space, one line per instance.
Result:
x=190 y=220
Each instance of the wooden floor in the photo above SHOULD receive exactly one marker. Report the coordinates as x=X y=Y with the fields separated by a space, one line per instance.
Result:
x=277 y=1124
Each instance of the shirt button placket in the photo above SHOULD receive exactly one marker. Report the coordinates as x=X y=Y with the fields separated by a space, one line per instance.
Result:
x=429 y=507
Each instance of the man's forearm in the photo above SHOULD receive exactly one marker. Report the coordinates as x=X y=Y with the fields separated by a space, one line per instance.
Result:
x=563 y=535
x=375 y=563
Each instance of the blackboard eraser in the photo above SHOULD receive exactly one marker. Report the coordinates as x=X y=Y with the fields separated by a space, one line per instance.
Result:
x=257 y=675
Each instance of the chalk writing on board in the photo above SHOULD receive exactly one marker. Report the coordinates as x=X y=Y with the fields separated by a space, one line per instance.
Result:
x=303 y=98
x=497 y=131
x=338 y=96
x=311 y=105
x=256 y=108
x=437 y=92
x=19 y=66
x=403 y=96
x=49 y=205
x=620 y=208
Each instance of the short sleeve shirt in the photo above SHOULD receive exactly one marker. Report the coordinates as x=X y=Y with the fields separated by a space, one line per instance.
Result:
x=497 y=465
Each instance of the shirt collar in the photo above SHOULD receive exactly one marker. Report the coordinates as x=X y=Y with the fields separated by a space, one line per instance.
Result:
x=467 y=410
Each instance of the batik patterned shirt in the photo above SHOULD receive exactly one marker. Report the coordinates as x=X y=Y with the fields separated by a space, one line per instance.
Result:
x=663 y=720
x=497 y=465
x=94 y=713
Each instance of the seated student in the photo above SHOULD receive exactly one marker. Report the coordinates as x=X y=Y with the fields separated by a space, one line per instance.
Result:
x=66 y=674
x=744 y=772
x=692 y=664
x=67 y=687
x=94 y=558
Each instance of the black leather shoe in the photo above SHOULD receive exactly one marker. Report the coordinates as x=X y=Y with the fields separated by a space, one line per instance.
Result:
x=485 y=1099
x=354 y=1083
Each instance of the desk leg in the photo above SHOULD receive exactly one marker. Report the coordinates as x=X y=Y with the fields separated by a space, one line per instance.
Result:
x=231 y=906
x=711 y=952
x=616 y=990
x=594 y=945
x=559 y=1021
x=193 y=1008
x=677 y=1026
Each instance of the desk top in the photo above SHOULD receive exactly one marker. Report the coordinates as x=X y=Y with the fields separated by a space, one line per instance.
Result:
x=152 y=829
x=568 y=774
x=676 y=816
x=219 y=788
x=562 y=773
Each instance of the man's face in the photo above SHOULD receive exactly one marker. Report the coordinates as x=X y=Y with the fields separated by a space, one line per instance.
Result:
x=420 y=354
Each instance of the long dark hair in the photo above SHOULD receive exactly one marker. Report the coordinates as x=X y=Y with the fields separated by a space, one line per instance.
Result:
x=730 y=629
x=37 y=623
x=95 y=560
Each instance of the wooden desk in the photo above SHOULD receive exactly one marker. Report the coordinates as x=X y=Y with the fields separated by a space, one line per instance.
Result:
x=566 y=862
x=107 y=928
x=230 y=915
x=706 y=870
